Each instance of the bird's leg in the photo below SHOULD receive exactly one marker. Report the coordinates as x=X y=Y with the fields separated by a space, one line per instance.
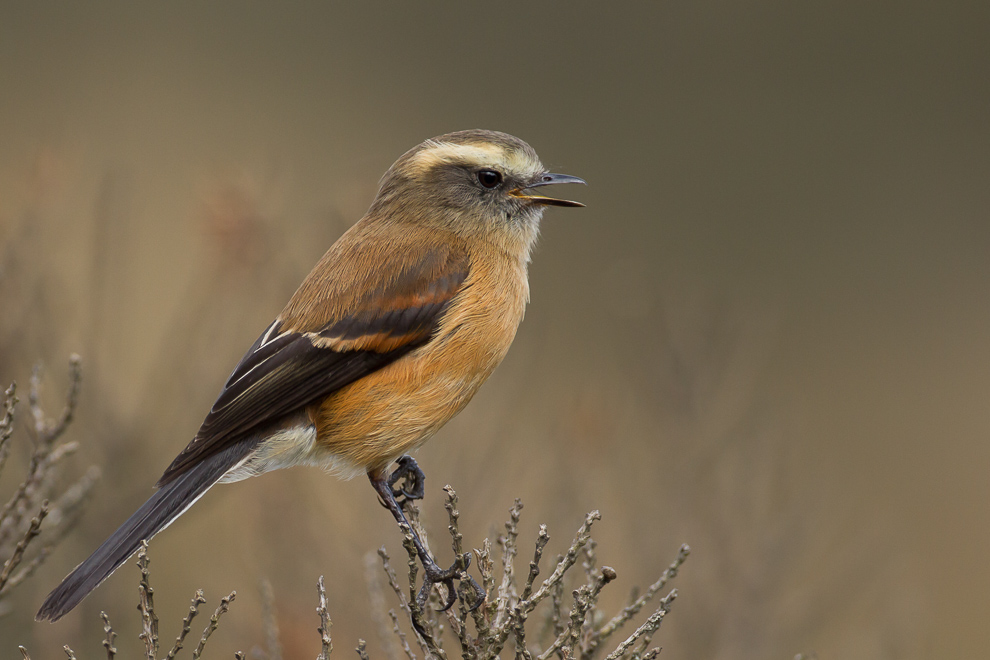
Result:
x=432 y=573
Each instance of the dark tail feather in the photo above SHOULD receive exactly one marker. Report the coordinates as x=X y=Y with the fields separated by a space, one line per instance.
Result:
x=154 y=515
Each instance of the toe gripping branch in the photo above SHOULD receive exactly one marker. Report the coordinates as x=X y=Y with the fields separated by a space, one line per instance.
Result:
x=413 y=480
x=413 y=488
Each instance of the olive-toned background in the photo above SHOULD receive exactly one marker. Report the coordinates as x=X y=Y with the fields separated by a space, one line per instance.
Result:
x=766 y=336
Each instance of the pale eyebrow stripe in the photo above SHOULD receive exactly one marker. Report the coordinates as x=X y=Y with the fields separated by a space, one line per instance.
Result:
x=444 y=152
x=438 y=153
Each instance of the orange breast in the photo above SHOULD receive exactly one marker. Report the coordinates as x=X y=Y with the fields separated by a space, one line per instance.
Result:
x=371 y=422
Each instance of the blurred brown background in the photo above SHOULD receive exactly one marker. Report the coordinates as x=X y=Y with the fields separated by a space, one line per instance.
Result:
x=766 y=336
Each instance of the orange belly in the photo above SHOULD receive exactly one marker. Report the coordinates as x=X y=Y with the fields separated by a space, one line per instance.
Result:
x=373 y=421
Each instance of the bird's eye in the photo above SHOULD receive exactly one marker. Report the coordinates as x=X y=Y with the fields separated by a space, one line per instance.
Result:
x=489 y=178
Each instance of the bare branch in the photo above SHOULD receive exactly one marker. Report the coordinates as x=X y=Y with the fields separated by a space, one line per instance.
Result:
x=633 y=609
x=109 y=636
x=534 y=566
x=71 y=398
x=324 y=629
x=584 y=533
x=146 y=605
x=214 y=623
x=22 y=545
x=453 y=515
x=48 y=431
x=557 y=613
x=197 y=600
x=585 y=598
x=403 y=601
x=401 y=635
x=499 y=609
x=646 y=630
x=7 y=422
x=422 y=625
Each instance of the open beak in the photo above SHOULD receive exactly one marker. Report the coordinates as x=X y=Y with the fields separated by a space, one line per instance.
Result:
x=548 y=179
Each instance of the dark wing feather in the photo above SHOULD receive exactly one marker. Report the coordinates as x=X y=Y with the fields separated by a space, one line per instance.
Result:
x=282 y=373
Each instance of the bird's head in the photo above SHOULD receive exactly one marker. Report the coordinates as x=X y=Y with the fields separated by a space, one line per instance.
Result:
x=474 y=183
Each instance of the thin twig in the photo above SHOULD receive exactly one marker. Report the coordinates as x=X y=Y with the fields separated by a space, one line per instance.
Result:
x=197 y=600
x=7 y=422
x=214 y=623
x=585 y=598
x=542 y=539
x=109 y=637
x=522 y=608
x=458 y=623
x=648 y=628
x=633 y=609
x=71 y=398
x=606 y=575
x=403 y=601
x=18 y=554
x=48 y=431
x=485 y=568
x=457 y=620
x=401 y=635
x=590 y=560
x=499 y=610
x=518 y=624
x=326 y=645
x=393 y=581
x=584 y=533
x=557 y=599
x=453 y=516
x=378 y=606
x=146 y=605
x=421 y=624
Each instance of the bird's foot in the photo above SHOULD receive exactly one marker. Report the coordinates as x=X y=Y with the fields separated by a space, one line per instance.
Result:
x=434 y=575
x=413 y=488
x=413 y=480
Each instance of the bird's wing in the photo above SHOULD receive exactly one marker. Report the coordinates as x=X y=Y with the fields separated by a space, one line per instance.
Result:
x=398 y=307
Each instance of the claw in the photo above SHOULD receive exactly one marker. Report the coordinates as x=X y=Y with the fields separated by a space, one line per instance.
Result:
x=479 y=594
x=458 y=571
x=451 y=595
x=434 y=575
x=413 y=479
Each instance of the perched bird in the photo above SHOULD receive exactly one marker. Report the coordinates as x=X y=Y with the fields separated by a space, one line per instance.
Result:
x=389 y=336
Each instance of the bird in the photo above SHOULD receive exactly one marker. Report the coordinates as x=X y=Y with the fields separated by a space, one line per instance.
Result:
x=389 y=336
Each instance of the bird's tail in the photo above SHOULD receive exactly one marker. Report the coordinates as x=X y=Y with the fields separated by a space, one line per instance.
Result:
x=154 y=515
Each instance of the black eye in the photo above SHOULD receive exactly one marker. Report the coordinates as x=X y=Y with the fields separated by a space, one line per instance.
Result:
x=489 y=178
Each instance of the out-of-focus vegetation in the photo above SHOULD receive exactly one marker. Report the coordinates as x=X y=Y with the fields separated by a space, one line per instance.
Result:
x=36 y=516
x=506 y=621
